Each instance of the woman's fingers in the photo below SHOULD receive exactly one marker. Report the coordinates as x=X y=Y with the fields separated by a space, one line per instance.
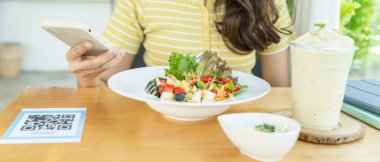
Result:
x=113 y=62
x=91 y=73
x=93 y=63
x=97 y=71
x=78 y=50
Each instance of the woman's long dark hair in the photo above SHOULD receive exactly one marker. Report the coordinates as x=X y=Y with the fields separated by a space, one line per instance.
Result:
x=248 y=25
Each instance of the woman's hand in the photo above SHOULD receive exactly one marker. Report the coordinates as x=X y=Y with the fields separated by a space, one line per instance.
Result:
x=89 y=68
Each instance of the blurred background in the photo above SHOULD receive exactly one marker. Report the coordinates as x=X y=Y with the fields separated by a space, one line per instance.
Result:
x=30 y=57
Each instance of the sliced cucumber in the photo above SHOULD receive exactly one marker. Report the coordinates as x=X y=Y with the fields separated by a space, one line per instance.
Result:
x=230 y=86
x=151 y=87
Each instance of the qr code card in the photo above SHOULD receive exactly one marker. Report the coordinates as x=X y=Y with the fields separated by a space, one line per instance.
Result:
x=46 y=125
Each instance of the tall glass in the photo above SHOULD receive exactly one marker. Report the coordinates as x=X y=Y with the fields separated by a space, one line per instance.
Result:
x=319 y=77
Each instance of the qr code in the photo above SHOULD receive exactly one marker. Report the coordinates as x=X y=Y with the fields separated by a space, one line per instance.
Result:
x=48 y=122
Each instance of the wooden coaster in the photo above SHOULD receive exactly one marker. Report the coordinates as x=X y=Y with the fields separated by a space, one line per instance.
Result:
x=348 y=130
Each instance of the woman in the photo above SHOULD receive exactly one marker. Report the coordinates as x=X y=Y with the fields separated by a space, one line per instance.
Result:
x=235 y=29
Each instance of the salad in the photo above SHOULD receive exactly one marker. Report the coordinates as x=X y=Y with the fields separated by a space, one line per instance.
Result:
x=187 y=80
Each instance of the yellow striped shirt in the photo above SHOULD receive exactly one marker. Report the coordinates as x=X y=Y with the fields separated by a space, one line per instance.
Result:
x=184 y=26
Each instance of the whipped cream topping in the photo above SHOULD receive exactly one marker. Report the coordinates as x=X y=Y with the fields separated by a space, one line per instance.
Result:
x=325 y=39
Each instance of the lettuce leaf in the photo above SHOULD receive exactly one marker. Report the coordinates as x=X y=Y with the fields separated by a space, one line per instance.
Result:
x=180 y=65
x=210 y=63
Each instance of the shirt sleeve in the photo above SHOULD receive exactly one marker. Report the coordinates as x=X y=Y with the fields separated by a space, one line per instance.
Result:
x=124 y=29
x=284 y=22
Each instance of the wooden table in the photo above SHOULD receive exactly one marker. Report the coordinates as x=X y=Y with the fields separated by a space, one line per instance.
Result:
x=120 y=129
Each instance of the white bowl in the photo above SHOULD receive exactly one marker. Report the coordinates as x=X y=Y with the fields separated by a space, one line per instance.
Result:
x=262 y=146
x=131 y=84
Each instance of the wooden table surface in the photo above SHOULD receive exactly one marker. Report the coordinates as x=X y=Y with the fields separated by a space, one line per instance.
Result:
x=121 y=129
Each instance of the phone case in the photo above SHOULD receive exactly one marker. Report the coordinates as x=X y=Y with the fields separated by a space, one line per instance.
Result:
x=73 y=33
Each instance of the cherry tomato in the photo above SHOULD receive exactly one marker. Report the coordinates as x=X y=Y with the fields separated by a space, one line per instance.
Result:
x=206 y=79
x=168 y=88
x=237 y=88
x=225 y=80
x=215 y=90
x=163 y=82
x=178 y=90
x=192 y=83
x=227 y=90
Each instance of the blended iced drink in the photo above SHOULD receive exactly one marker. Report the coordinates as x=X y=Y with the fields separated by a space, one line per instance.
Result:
x=321 y=61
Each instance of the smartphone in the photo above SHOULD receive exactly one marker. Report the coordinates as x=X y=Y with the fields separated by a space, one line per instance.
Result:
x=72 y=33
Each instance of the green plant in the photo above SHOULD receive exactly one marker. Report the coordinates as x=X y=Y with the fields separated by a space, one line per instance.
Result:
x=357 y=16
x=347 y=11
x=290 y=6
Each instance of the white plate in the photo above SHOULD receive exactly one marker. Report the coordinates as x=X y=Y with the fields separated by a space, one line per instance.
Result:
x=131 y=84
